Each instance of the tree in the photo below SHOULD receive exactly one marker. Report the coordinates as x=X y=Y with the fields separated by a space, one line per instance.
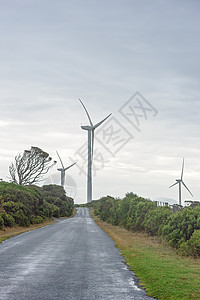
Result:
x=31 y=166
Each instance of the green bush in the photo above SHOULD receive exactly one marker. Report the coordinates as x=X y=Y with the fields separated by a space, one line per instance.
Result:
x=32 y=204
x=192 y=246
x=139 y=207
x=21 y=219
x=9 y=221
x=11 y=207
x=37 y=220
x=20 y=194
x=1 y=223
x=126 y=206
x=55 y=194
x=105 y=203
x=194 y=243
x=55 y=211
x=123 y=211
x=155 y=219
x=181 y=226
x=45 y=213
x=114 y=213
x=51 y=210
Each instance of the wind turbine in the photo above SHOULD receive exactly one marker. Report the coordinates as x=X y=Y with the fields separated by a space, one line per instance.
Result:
x=90 y=129
x=62 y=170
x=179 y=181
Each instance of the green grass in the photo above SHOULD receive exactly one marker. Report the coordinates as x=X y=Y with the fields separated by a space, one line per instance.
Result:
x=3 y=239
x=163 y=273
x=166 y=277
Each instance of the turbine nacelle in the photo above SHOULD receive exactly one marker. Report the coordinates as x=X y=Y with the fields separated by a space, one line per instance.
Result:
x=87 y=127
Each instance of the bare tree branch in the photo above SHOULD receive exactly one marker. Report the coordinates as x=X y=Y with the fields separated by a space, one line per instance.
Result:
x=31 y=166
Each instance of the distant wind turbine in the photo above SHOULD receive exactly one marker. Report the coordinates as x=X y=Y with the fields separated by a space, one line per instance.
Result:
x=90 y=128
x=62 y=170
x=179 y=181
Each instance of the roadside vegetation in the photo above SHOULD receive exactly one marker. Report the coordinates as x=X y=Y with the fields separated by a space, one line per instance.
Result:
x=30 y=205
x=181 y=230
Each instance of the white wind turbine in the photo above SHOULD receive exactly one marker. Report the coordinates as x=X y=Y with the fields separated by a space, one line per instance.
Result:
x=179 y=181
x=90 y=128
x=62 y=170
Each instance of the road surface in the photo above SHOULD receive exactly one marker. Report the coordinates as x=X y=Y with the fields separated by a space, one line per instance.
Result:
x=71 y=259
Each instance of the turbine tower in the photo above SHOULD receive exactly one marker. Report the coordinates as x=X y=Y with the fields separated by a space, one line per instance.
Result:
x=62 y=170
x=90 y=129
x=179 y=181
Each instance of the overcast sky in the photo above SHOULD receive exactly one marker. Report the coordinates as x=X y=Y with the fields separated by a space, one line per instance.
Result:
x=53 y=52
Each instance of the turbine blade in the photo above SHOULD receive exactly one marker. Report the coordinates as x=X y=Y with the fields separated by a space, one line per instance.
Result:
x=173 y=184
x=86 y=112
x=69 y=166
x=187 y=188
x=98 y=124
x=182 y=169
x=60 y=160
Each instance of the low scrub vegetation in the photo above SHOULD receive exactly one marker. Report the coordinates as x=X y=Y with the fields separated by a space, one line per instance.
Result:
x=181 y=229
x=25 y=205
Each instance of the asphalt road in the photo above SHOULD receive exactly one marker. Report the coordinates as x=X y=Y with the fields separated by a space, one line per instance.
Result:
x=71 y=259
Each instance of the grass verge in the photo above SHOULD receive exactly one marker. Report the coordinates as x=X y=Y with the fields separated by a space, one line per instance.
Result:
x=162 y=273
x=8 y=232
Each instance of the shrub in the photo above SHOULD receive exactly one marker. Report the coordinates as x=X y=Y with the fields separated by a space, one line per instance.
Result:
x=11 y=207
x=114 y=213
x=155 y=219
x=51 y=210
x=37 y=220
x=194 y=243
x=22 y=203
x=45 y=213
x=138 y=213
x=55 y=211
x=192 y=246
x=1 y=223
x=47 y=210
x=55 y=194
x=181 y=226
x=20 y=194
x=105 y=203
x=9 y=221
x=124 y=206
x=21 y=219
x=127 y=209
